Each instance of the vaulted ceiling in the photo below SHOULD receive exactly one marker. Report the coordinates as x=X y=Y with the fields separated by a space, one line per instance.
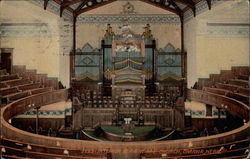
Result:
x=77 y=7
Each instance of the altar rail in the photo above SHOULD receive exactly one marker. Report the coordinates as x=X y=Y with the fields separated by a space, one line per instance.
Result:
x=122 y=150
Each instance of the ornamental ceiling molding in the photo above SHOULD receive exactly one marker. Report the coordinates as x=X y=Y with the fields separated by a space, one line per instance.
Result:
x=24 y=29
x=225 y=31
x=131 y=18
x=161 y=19
x=53 y=7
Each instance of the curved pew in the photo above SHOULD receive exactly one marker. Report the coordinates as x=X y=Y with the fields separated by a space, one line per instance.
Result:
x=238 y=96
x=8 y=77
x=220 y=150
x=119 y=149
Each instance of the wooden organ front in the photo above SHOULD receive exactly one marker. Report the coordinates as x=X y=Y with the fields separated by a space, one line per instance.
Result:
x=128 y=77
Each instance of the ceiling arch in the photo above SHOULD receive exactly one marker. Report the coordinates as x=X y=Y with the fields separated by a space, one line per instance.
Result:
x=77 y=7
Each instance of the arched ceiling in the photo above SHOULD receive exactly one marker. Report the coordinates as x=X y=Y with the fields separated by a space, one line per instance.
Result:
x=77 y=7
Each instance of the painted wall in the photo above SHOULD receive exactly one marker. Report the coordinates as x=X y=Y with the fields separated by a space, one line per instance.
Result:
x=92 y=31
x=217 y=39
x=39 y=42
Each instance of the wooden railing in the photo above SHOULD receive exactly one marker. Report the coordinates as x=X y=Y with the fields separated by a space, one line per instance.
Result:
x=234 y=107
x=120 y=149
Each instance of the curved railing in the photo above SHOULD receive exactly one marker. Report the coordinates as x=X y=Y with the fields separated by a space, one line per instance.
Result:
x=121 y=149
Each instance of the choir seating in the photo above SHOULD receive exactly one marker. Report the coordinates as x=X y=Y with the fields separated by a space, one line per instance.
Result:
x=233 y=84
x=236 y=148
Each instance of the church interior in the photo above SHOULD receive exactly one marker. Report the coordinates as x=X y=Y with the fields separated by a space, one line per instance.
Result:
x=124 y=79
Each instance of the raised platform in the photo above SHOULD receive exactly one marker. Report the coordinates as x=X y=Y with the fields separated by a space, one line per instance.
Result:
x=117 y=133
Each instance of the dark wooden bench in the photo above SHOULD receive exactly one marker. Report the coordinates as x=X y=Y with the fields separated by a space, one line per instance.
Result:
x=17 y=82
x=233 y=88
x=216 y=90
x=6 y=91
x=238 y=96
x=40 y=90
x=29 y=86
x=239 y=82
x=8 y=77
x=3 y=72
x=233 y=148
x=3 y=85
x=15 y=96
x=243 y=77
x=38 y=151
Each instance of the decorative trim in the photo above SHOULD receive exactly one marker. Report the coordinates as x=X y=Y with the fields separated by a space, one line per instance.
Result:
x=87 y=48
x=128 y=68
x=127 y=61
x=129 y=80
x=24 y=29
x=169 y=48
x=87 y=75
x=202 y=114
x=169 y=76
x=46 y=114
x=128 y=8
x=137 y=19
x=226 y=31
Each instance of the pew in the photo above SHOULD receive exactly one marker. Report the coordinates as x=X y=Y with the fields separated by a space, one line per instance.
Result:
x=239 y=82
x=40 y=90
x=3 y=85
x=238 y=96
x=21 y=149
x=206 y=152
x=3 y=72
x=29 y=86
x=8 y=77
x=14 y=96
x=243 y=77
x=233 y=88
x=16 y=82
x=6 y=91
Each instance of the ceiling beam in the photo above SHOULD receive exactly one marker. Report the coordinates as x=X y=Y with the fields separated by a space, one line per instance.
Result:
x=185 y=2
x=176 y=7
x=93 y=6
x=68 y=3
x=61 y=9
x=190 y=4
x=162 y=6
x=45 y=4
x=209 y=4
x=81 y=5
